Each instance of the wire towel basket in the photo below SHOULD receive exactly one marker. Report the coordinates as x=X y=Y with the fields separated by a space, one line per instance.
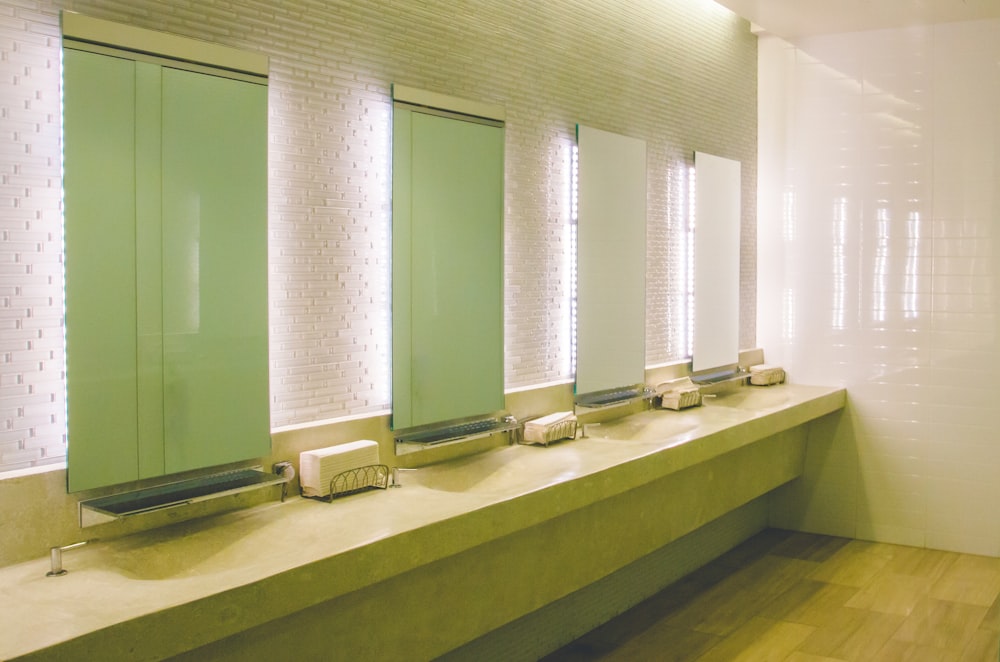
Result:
x=359 y=479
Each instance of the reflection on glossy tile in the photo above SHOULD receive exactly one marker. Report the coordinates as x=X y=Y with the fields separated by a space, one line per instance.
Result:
x=894 y=615
x=984 y=645
x=970 y=579
x=669 y=644
x=810 y=603
x=799 y=656
x=900 y=651
x=889 y=593
x=941 y=624
x=854 y=565
x=927 y=563
x=808 y=547
x=759 y=640
x=852 y=634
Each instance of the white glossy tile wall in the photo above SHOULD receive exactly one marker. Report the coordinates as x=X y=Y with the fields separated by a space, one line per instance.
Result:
x=879 y=269
x=680 y=74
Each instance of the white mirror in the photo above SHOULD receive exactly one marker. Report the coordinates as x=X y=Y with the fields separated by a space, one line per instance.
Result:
x=611 y=259
x=715 y=344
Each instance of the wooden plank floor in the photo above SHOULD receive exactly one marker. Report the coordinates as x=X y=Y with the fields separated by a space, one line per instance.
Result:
x=809 y=598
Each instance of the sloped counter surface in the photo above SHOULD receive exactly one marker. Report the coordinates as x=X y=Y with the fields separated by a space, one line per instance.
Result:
x=162 y=593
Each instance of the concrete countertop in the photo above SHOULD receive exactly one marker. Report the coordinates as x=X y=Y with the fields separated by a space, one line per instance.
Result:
x=167 y=591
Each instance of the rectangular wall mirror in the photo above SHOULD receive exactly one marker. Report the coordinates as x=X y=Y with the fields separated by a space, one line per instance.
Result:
x=447 y=259
x=166 y=254
x=611 y=263
x=716 y=336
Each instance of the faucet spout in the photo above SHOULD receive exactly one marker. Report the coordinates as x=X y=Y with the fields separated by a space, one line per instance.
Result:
x=395 y=476
x=55 y=558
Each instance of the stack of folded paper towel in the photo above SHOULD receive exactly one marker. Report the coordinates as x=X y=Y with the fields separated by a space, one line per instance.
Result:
x=766 y=375
x=679 y=394
x=318 y=467
x=545 y=430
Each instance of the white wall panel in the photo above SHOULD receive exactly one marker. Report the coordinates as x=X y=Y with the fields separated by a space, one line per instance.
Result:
x=879 y=229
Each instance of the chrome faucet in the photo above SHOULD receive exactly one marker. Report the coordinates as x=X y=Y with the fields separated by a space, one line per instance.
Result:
x=516 y=430
x=55 y=558
x=395 y=476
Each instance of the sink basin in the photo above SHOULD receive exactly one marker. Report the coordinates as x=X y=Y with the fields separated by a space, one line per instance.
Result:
x=652 y=426
x=520 y=469
x=503 y=469
x=191 y=549
x=750 y=398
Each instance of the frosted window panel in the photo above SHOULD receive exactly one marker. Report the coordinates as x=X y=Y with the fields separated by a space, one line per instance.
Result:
x=447 y=271
x=716 y=263
x=611 y=254
x=166 y=279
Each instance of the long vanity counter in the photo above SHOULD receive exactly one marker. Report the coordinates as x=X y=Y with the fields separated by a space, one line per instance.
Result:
x=166 y=592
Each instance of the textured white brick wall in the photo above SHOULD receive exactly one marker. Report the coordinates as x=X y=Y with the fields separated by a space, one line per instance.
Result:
x=32 y=400
x=680 y=74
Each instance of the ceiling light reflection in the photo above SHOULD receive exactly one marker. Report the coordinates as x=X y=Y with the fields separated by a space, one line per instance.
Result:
x=911 y=291
x=881 y=270
x=839 y=262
